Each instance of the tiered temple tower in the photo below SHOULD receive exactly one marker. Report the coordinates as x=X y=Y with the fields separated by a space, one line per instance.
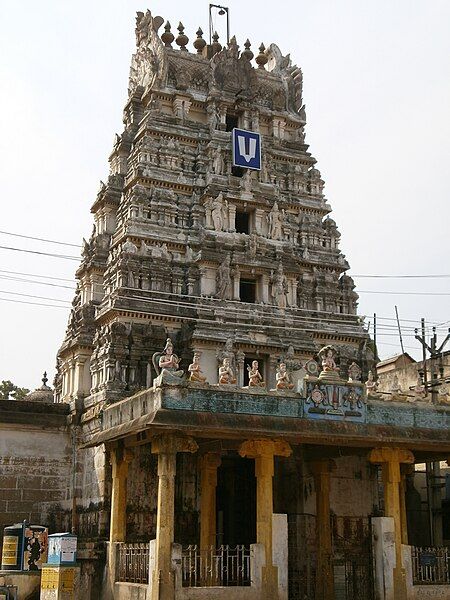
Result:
x=197 y=263
x=219 y=258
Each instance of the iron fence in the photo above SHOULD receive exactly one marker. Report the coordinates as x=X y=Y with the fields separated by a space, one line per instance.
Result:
x=133 y=562
x=430 y=566
x=224 y=566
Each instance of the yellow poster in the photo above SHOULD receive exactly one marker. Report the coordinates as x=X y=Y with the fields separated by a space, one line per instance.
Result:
x=9 y=552
x=67 y=580
x=50 y=579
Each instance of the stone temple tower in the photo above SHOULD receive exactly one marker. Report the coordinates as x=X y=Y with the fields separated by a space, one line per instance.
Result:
x=219 y=258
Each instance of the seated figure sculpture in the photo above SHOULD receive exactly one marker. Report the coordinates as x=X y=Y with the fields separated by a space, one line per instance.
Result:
x=329 y=367
x=226 y=374
x=195 y=369
x=283 y=378
x=166 y=366
x=254 y=376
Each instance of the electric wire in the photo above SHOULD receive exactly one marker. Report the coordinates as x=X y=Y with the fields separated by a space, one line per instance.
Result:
x=34 y=296
x=41 y=253
x=21 y=279
x=36 y=275
x=30 y=237
x=33 y=303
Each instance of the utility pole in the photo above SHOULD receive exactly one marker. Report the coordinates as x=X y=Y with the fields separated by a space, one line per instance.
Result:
x=435 y=353
x=433 y=487
x=399 y=330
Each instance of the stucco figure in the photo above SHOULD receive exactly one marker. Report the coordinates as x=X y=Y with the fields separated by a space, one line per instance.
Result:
x=226 y=373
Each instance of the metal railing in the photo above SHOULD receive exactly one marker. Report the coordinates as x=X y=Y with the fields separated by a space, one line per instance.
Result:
x=430 y=566
x=133 y=560
x=223 y=566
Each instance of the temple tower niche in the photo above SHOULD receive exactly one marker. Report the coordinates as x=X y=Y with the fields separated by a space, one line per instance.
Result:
x=225 y=261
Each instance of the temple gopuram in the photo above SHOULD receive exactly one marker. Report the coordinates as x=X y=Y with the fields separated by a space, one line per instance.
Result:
x=228 y=436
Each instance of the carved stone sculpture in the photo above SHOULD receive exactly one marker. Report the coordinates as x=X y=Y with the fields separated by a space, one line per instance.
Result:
x=224 y=286
x=279 y=287
x=354 y=372
x=218 y=162
x=166 y=365
x=219 y=209
x=254 y=376
x=275 y=220
x=195 y=371
x=371 y=384
x=329 y=368
x=283 y=378
x=226 y=373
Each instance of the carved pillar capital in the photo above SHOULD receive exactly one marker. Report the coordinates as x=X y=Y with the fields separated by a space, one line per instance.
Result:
x=264 y=447
x=167 y=443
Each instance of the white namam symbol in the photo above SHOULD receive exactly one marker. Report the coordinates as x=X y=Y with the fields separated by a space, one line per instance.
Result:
x=247 y=156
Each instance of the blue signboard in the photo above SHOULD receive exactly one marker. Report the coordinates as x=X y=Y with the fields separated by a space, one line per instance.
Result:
x=246 y=149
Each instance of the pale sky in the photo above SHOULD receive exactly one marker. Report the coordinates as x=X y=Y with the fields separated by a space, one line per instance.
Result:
x=377 y=94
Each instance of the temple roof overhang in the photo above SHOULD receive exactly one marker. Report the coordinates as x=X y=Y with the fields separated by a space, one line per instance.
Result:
x=216 y=413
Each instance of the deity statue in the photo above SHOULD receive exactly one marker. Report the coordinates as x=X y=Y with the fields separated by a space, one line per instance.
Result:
x=279 y=287
x=144 y=249
x=224 y=287
x=371 y=384
x=275 y=220
x=354 y=372
x=254 y=376
x=166 y=365
x=195 y=369
x=247 y=181
x=226 y=373
x=219 y=207
x=327 y=356
x=218 y=162
x=129 y=247
x=213 y=117
x=283 y=378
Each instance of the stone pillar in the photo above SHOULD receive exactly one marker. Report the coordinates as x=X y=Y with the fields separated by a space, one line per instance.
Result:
x=208 y=476
x=264 y=293
x=231 y=217
x=390 y=460
x=120 y=459
x=321 y=470
x=236 y=283
x=263 y=452
x=166 y=447
x=240 y=363
x=272 y=372
x=404 y=471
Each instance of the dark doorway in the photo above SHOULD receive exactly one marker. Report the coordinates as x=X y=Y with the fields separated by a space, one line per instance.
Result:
x=242 y=222
x=236 y=501
x=237 y=171
x=247 y=290
x=231 y=122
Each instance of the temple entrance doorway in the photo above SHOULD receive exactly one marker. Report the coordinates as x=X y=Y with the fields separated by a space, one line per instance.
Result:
x=236 y=502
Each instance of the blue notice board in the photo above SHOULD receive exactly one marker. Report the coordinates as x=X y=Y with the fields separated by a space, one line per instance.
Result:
x=246 y=149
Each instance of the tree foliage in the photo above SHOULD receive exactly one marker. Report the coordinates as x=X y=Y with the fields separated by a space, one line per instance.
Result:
x=9 y=391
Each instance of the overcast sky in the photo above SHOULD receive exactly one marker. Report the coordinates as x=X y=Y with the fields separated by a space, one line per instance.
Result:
x=377 y=94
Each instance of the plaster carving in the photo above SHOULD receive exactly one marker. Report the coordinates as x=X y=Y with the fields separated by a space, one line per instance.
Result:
x=226 y=373
x=276 y=220
x=195 y=369
x=283 y=378
x=166 y=365
x=254 y=376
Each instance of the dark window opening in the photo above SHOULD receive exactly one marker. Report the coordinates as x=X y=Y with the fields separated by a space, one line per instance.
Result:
x=231 y=121
x=242 y=222
x=238 y=171
x=248 y=364
x=247 y=290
